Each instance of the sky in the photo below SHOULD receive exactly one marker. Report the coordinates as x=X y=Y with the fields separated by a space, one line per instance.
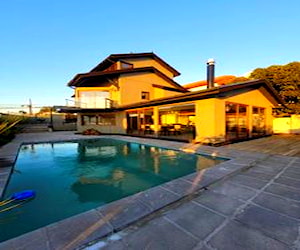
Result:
x=45 y=43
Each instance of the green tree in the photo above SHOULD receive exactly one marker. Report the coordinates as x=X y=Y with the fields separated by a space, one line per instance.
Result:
x=239 y=79
x=285 y=79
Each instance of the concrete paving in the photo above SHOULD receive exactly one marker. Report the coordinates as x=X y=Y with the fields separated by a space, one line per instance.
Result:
x=246 y=211
x=249 y=202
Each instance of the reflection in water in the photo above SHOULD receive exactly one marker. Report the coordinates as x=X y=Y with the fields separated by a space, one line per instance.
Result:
x=117 y=176
x=88 y=174
x=107 y=188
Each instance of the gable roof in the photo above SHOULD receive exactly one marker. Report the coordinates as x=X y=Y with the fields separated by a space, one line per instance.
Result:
x=220 y=91
x=116 y=57
x=81 y=78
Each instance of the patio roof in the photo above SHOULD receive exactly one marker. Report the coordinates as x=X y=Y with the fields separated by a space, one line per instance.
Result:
x=221 y=91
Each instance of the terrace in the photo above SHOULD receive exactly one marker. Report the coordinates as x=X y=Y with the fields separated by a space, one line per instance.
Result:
x=249 y=202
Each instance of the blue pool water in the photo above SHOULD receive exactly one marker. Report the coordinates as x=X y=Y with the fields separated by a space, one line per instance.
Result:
x=73 y=177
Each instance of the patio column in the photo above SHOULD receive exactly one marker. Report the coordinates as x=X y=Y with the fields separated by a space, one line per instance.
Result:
x=250 y=120
x=210 y=120
x=156 y=120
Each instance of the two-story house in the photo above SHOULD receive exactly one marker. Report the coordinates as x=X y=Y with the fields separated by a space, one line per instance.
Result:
x=136 y=94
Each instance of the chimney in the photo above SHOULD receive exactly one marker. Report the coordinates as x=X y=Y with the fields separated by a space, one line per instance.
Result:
x=210 y=73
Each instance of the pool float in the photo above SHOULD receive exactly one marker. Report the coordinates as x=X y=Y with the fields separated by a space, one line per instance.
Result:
x=20 y=197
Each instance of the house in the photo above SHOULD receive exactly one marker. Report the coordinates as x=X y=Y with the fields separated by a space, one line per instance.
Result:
x=218 y=81
x=136 y=94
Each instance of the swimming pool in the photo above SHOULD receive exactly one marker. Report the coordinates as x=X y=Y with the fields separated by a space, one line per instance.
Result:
x=73 y=177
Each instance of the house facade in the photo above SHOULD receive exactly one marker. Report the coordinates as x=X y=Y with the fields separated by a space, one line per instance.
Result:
x=136 y=94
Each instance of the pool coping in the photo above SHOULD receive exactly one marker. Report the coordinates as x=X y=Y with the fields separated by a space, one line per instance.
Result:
x=85 y=228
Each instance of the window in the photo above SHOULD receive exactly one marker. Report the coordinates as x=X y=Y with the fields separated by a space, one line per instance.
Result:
x=94 y=99
x=103 y=120
x=145 y=95
x=107 y=119
x=125 y=65
x=236 y=121
x=258 y=121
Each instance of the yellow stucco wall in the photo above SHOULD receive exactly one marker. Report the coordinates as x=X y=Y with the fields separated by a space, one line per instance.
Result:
x=148 y=62
x=132 y=85
x=287 y=125
x=211 y=118
x=257 y=98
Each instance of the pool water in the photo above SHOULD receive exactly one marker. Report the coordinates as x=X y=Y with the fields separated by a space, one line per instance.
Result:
x=73 y=177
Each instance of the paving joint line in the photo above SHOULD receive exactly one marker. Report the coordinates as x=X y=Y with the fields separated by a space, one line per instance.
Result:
x=243 y=206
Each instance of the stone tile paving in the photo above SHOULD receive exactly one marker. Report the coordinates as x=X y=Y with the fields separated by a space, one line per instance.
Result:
x=249 y=202
x=246 y=211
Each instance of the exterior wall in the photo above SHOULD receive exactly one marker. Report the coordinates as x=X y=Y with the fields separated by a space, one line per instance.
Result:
x=119 y=128
x=59 y=124
x=256 y=98
x=211 y=118
x=287 y=125
x=148 y=62
x=131 y=87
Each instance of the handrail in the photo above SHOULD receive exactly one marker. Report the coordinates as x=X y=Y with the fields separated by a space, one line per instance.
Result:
x=108 y=103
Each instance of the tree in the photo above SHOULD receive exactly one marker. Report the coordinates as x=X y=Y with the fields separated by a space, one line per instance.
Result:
x=285 y=79
x=239 y=79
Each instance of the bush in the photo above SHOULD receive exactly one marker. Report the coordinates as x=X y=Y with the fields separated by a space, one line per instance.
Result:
x=91 y=132
x=8 y=127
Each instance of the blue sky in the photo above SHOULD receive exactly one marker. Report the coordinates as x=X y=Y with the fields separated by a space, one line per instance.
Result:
x=45 y=43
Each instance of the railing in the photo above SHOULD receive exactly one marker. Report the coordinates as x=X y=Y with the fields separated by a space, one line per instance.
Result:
x=75 y=104
x=99 y=103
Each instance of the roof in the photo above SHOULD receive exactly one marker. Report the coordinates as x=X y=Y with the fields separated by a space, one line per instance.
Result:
x=219 y=91
x=116 y=57
x=220 y=80
x=81 y=78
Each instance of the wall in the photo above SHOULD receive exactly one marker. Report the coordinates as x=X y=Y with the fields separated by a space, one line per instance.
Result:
x=132 y=85
x=210 y=120
x=148 y=62
x=287 y=125
x=119 y=128
x=210 y=115
x=59 y=123
x=256 y=98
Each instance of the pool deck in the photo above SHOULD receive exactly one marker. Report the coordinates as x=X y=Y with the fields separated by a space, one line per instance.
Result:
x=251 y=201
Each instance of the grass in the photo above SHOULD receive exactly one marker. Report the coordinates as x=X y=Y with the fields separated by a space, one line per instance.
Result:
x=8 y=127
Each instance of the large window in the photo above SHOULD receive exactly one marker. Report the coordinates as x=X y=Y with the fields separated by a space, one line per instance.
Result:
x=140 y=121
x=177 y=121
x=258 y=121
x=236 y=121
x=103 y=120
x=94 y=99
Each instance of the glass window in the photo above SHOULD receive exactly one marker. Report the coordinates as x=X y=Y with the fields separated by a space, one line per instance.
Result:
x=145 y=95
x=89 y=120
x=236 y=121
x=125 y=65
x=107 y=119
x=258 y=121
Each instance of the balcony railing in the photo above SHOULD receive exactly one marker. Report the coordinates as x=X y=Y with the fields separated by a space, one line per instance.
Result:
x=98 y=103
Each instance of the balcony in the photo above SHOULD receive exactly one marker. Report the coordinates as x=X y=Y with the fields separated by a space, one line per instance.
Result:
x=93 y=103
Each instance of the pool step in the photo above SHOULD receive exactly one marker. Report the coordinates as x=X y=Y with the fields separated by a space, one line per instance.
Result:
x=34 y=128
